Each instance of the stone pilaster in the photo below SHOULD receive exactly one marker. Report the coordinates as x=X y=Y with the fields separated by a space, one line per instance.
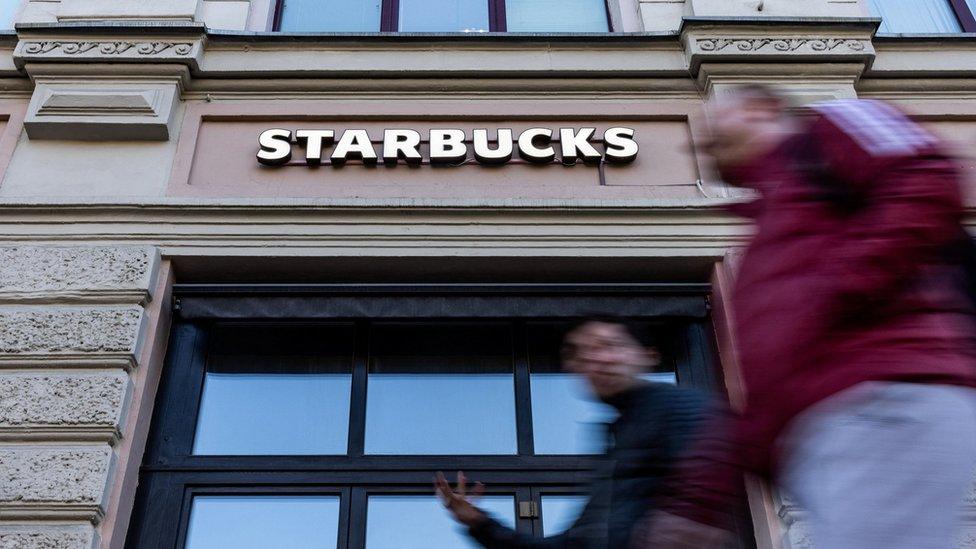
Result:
x=71 y=329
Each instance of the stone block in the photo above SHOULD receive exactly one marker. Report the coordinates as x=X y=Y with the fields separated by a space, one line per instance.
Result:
x=48 y=536
x=662 y=15
x=121 y=110
x=39 y=11
x=67 y=482
x=801 y=83
x=122 y=274
x=76 y=335
x=64 y=405
x=128 y=10
x=225 y=14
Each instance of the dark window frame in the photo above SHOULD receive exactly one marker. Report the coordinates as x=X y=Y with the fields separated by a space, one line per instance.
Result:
x=390 y=16
x=171 y=475
x=965 y=15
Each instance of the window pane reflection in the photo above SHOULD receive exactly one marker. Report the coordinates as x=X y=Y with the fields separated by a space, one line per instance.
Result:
x=421 y=522
x=276 y=391
x=444 y=15
x=8 y=11
x=261 y=522
x=331 y=15
x=560 y=512
x=915 y=16
x=441 y=389
x=556 y=15
x=566 y=417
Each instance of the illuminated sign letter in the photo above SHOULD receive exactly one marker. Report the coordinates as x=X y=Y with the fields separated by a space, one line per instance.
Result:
x=500 y=154
x=534 y=146
x=621 y=147
x=451 y=146
x=577 y=145
x=354 y=144
x=447 y=146
x=403 y=144
x=314 y=140
x=275 y=147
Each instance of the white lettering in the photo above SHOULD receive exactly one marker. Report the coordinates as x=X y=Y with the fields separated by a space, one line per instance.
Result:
x=314 y=141
x=447 y=146
x=354 y=144
x=499 y=155
x=620 y=145
x=534 y=145
x=403 y=144
x=450 y=146
x=275 y=147
x=575 y=145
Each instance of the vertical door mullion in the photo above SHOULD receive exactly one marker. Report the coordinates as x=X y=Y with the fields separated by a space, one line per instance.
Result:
x=360 y=376
x=345 y=502
x=536 y=496
x=358 y=500
x=524 y=525
x=523 y=396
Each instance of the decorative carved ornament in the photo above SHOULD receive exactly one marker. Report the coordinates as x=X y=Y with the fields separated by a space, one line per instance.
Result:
x=109 y=48
x=781 y=44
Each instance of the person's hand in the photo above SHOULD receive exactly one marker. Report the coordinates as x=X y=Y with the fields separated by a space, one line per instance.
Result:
x=666 y=531
x=457 y=502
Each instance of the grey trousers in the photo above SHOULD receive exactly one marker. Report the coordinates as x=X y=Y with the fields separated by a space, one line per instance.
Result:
x=883 y=465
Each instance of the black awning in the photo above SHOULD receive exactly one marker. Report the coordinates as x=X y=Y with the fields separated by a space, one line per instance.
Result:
x=424 y=301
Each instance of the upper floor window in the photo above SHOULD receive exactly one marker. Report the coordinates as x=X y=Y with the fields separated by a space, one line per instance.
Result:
x=925 y=16
x=8 y=12
x=442 y=16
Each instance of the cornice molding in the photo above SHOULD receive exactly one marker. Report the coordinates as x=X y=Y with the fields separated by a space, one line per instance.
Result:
x=799 y=42
x=292 y=229
x=51 y=512
x=60 y=434
x=107 y=48
x=782 y=44
x=66 y=361
x=69 y=48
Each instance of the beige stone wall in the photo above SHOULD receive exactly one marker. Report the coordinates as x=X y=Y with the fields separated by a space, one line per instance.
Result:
x=72 y=324
x=103 y=187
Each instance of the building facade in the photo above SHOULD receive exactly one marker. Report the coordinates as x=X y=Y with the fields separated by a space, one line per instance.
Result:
x=267 y=265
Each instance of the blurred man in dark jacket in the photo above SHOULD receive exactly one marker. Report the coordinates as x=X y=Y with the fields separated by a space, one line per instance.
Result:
x=853 y=324
x=655 y=421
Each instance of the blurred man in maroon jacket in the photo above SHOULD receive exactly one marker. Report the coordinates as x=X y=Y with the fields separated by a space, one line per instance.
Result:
x=854 y=328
